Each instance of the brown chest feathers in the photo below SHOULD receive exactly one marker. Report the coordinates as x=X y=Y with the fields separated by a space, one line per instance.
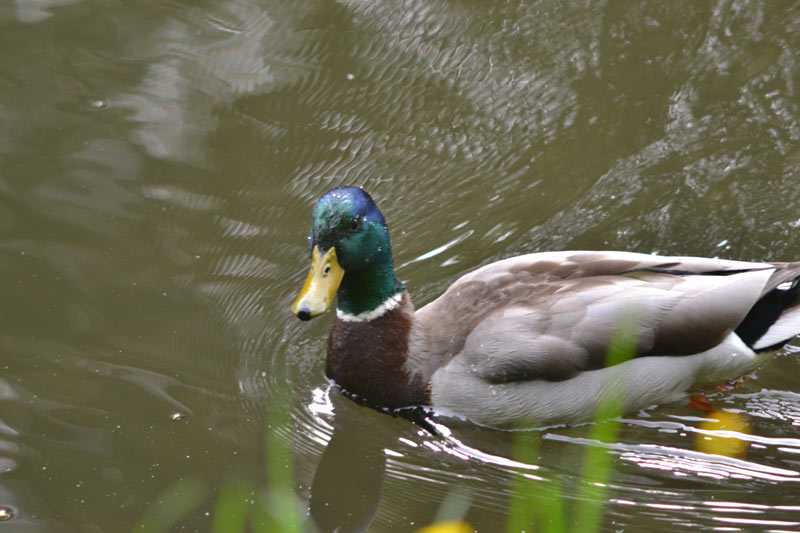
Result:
x=368 y=360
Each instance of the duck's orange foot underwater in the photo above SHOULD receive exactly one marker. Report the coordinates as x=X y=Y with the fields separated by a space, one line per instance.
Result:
x=701 y=403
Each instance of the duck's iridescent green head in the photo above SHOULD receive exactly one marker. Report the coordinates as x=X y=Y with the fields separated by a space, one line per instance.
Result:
x=350 y=256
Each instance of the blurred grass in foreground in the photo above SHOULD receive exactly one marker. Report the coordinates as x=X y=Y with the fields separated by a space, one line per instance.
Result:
x=534 y=504
x=241 y=503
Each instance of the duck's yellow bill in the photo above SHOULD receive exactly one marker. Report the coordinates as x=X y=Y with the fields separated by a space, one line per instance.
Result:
x=320 y=287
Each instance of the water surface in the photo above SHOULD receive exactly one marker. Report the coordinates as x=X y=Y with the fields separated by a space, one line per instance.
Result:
x=158 y=165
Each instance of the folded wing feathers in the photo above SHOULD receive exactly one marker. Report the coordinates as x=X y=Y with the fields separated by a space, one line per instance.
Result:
x=554 y=313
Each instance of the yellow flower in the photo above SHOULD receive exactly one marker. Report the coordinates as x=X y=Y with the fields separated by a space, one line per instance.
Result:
x=717 y=421
x=451 y=526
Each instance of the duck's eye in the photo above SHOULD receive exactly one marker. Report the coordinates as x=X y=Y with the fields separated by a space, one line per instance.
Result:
x=355 y=224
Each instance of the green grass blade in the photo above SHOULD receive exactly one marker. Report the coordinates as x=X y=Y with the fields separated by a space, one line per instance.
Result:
x=597 y=461
x=175 y=501
x=282 y=503
x=233 y=505
x=523 y=500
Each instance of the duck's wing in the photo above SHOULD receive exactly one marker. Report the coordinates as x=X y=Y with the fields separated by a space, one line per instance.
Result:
x=552 y=315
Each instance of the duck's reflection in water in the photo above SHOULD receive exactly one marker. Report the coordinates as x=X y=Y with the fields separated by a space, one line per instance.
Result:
x=348 y=483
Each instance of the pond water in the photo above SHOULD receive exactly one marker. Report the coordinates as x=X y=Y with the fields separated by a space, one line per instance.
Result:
x=158 y=166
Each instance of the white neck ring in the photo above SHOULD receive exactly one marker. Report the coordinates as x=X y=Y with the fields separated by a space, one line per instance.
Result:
x=390 y=303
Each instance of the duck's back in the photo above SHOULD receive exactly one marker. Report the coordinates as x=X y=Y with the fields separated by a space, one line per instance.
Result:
x=552 y=315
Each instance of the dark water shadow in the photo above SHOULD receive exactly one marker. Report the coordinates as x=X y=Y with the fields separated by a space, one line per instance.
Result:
x=347 y=488
x=348 y=484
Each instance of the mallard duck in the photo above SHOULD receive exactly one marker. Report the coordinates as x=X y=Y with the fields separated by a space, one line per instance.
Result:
x=524 y=340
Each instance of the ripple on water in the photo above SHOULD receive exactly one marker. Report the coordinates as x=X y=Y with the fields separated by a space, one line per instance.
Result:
x=664 y=483
x=160 y=167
